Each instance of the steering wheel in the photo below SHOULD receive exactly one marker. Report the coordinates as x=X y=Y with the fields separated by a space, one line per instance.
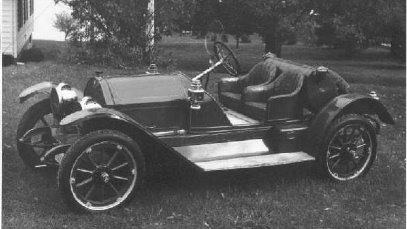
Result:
x=230 y=62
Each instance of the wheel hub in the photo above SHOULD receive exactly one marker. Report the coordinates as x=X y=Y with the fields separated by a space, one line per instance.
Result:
x=348 y=151
x=102 y=175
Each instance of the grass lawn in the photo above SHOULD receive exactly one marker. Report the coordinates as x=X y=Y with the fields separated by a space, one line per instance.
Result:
x=278 y=197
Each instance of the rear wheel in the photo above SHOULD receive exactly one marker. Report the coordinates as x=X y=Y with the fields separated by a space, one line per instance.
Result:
x=101 y=171
x=349 y=148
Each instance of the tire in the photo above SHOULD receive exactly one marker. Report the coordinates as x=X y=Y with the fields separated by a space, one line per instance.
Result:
x=349 y=148
x=101 y=171
x=36 y=116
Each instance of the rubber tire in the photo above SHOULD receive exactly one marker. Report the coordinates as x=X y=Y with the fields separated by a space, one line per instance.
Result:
x=81 y=145
x=337 y=125
x=27 y=122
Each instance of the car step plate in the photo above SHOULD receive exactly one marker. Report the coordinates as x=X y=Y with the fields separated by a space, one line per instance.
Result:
x=255 y=161
x=238 y=155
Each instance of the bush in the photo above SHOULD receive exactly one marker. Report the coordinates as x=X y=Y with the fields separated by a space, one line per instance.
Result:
x=225 y=38
x=7 y=60
x=245 y=38
x=165 y=60
x=101 y=54
x=32 y=55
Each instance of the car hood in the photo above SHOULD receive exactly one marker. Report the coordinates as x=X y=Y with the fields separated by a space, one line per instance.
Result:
x=145 y=88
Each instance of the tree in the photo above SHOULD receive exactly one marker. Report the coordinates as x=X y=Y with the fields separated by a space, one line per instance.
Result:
x=274 y=20
x=65 y=23
x=238 y=18
x=112 y=28
x=353 y=24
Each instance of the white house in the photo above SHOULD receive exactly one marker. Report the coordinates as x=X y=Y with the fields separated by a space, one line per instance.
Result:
x=17 y=26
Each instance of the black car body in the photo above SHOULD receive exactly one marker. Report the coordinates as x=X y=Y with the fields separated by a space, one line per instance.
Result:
x=279 y=113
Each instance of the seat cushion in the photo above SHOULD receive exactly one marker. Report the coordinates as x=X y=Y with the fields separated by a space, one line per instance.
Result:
x=231 y=100
x=256 y=110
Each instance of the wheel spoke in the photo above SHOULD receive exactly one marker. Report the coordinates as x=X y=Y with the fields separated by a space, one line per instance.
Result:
x=84 y=182
x=121 y=178
x=336 y=163
x=85 y=171
x=120 y=166
x=354 y=162
x=114 y=189
x=347 y=167
x=353 y=133
x=89 y=192
x=102 y=192
x=113 y=157
x=91 y=160
x=362 y=145
x=335 y=147
x=334 y=156
x=347 y=135
x=340 y=137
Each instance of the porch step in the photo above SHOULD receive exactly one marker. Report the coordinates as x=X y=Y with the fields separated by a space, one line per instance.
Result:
x=255 y=161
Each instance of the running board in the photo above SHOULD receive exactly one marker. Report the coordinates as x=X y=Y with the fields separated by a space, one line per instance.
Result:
x=238 y=154
x=255 y=161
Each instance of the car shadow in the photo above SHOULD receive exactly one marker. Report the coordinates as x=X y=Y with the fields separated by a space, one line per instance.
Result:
x=188 y=180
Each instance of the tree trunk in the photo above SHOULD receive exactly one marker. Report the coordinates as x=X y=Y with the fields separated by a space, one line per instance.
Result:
x=398 y=45
x=273 y=44
x=237 y=41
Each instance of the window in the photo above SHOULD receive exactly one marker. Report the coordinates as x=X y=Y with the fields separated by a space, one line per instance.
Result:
x=25 y=10
x=20 y=14
x=31 y=7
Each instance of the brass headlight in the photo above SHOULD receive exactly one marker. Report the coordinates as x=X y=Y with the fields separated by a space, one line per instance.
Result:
x=64 y=101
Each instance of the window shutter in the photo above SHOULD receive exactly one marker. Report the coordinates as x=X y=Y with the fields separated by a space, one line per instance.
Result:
x=20 y=17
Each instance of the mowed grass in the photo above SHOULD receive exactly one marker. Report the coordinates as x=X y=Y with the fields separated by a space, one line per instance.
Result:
x=278 y=197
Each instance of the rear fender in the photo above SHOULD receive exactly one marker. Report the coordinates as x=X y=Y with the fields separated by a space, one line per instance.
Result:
x=41 y=88
x=343 y=104
x=105 y=118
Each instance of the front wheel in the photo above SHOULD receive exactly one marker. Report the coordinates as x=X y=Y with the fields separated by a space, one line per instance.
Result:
x=349 y=148
x=37 y=116
x=101 y=171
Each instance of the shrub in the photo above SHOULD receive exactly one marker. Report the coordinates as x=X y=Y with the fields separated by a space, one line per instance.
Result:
x=101 y=54
x=225 y=38
x=7 y=60
x=165 y=60
x=245 y=38
x=32 y=55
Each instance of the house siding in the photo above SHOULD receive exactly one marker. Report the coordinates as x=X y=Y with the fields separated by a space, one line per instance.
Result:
x=7 y=34
x=14 y=39
x=25 y=32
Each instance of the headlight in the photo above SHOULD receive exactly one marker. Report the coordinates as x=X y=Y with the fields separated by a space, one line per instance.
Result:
x=89 y=103
x=64 y=101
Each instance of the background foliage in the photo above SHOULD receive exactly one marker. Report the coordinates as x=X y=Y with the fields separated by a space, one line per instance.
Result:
x=115 y=30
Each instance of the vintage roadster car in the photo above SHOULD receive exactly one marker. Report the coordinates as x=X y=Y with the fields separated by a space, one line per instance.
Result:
x=278 y=113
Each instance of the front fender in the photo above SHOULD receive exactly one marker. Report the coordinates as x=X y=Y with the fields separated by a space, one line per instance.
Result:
x=105 y=118
x=35 y=89
x=84 y=115
x=347 y=103
x=42 y=88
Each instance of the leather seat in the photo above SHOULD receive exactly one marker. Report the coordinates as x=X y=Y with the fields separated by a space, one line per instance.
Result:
x=275 y=90
x=232 y=91
x=280 y=99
